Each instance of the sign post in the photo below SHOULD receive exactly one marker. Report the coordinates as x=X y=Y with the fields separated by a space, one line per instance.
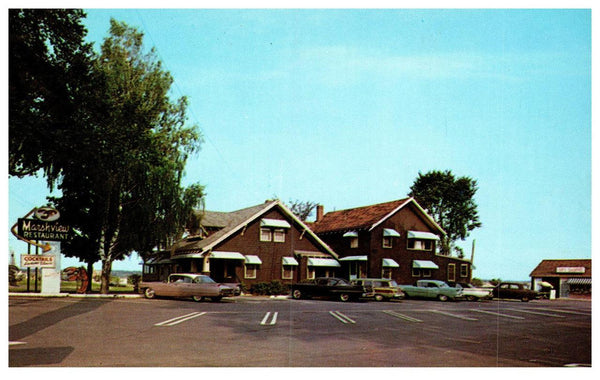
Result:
x=44 y=227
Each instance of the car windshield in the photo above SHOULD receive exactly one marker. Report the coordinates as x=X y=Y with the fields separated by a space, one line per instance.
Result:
x=393 y=283
x=442 y=285
x=203 y=280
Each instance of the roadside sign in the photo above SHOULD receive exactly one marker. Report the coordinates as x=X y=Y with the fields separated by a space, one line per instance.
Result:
x=32 y=229
x=38 y=261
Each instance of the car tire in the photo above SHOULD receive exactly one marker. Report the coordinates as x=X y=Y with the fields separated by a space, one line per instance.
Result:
x=378 y=297
x=344 y=297
x=471 y=298
x=197 y=298
x=149 y=293
x=524 y=299
x=296 y=294
x=442 y=297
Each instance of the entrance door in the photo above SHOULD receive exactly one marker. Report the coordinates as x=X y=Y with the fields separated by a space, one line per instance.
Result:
x=222 y=270
x=451 y=272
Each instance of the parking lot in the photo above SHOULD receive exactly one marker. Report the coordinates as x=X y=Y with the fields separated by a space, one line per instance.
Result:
x=263 y=332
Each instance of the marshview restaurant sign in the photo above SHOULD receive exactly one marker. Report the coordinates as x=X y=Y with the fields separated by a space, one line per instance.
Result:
x=33 y=229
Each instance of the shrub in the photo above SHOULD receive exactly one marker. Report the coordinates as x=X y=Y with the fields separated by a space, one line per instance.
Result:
x=269 y=288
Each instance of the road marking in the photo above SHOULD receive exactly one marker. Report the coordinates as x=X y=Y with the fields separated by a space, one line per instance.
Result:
x=564 y=311
x=273 y=320
x=15 y=343
x=341 y=317
x=498 y=314
x=538 y=313
x=177 y=320
x=402 y=316
x=454 y=315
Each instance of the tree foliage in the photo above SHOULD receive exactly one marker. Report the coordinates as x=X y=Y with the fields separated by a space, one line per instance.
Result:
x=302 y=209
x=450 y=201
x=49 y=73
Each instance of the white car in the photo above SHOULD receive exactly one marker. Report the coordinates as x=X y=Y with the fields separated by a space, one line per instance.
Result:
x=473 y=293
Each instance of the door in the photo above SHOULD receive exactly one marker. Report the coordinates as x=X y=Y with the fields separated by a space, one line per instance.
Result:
x=451 y=272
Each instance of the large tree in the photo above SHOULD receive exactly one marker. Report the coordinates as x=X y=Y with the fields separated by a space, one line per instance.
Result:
x=49 y=73
x=450 y=201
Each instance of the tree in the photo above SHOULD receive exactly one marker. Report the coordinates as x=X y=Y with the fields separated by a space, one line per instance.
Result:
x=302 y=209
x=449 y=200
x=123 y=191
x=49 y=68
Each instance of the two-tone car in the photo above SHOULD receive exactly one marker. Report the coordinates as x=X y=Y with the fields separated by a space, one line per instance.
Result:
x=434 y=289
x=330 y=287
x=188 y=285
x=472 y=293
x=514 y=290
x=380 y=289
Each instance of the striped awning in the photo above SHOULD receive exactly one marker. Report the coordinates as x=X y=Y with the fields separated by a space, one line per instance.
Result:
x=579 y=281
x=424 y=264
x=275 y=223
x=354 y=258
x=315 y=262
x=390 y=232
x=422 y=235
x=253 y=260
x=226 y=255
x=288 y=260
x=390 y=263
x=350 y=234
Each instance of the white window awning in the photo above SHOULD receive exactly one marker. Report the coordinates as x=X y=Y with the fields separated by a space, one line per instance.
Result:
x=354 y=258
x=350 y=234
x=275 y=223
x=390 y=263
x=289 y=261
x=424 y=264
x=579 y=281
x=422 y=235
x=390 y=232
x=323 y=262
x=253 y=259
x=226 y=255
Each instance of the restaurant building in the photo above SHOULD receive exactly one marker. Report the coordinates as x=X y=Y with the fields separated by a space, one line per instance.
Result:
x=566 y=276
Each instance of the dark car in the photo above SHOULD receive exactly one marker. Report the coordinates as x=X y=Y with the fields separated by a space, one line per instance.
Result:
x=330 y=287
x=514 y=290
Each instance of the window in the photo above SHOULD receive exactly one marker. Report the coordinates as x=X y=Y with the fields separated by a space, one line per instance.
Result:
x=424 y=245
x=416 y=272
x=387 y=242
x=287 y=273
x=464 y=270
x=310 y=272
x=451 y=272
x=386 y=273
x=265 y=234
x=279 y=235
x=354 y=242
x=250 y=270
x=426 y=272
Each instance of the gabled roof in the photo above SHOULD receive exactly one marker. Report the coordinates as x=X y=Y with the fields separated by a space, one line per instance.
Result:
x=367 y=217
x=232 y=222
x=547 y=268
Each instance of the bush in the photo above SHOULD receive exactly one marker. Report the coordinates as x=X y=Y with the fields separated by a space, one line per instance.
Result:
x=269 y=288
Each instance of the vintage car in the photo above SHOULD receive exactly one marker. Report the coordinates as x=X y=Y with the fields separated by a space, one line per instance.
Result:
x=514 y=290
x=471 y=292
x=431 y=289
x=380 y=288
x=330 y=287
x=188 y=285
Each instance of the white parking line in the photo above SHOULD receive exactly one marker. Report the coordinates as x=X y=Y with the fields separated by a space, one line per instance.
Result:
x=273 y=320
x=564 y=311
x=498 y=314
x=341 y=317
x=402 y=316
x=15 y=343
x=177 y=320
x=538 y=313
x=454 y=315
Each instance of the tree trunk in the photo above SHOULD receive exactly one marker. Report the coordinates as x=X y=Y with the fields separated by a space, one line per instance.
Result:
x=90 y=271
x=105 y=276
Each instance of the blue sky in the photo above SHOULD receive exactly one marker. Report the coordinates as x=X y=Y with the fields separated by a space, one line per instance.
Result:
x=346 y=107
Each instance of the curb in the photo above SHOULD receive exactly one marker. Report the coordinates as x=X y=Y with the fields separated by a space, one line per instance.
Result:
x=65 y=295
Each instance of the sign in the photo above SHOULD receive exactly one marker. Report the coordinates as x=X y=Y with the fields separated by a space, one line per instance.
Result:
x=570 y=270
x=38 y=261
x=32 y=229
x=47 y=214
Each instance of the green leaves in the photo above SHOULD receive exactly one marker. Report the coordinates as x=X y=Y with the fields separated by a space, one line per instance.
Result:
x=449 y=200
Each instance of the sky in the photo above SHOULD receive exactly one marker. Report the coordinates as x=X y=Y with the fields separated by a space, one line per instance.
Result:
x=346 y=107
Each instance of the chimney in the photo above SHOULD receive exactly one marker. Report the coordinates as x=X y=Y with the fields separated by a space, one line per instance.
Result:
x=319 y=213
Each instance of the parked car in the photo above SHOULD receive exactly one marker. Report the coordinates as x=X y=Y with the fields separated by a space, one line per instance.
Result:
x=471 y=292
x=330 y=287
x=184 y=285
x=431 y=289
x=380 y=288
x=514 y=290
